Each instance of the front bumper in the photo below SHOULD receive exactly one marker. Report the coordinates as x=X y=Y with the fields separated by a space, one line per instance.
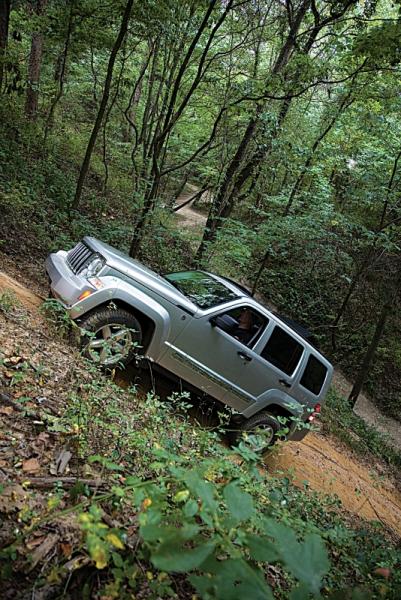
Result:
x=65 y=286
x=68 y=287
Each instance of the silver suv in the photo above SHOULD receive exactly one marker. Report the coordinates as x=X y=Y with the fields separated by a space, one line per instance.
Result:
x=199 y=328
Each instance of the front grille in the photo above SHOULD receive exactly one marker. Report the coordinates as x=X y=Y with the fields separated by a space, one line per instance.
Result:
x=79 y=257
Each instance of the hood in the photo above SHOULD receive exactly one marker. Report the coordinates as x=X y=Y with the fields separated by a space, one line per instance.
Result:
x=136 y=270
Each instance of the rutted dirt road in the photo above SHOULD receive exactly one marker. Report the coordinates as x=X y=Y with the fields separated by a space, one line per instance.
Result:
x=319 y=460
x=333 y=469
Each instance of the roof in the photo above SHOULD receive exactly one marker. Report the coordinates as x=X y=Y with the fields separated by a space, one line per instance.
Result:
x=297 y=327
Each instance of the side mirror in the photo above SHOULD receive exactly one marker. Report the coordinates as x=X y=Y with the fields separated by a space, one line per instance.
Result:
x=224 y=322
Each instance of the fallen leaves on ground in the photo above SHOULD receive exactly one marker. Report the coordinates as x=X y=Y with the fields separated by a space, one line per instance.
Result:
x=31 y=465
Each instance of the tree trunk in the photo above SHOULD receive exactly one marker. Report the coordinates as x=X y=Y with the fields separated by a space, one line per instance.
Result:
x=258 y=275
x=370 y=253
x=156 y=147
x=148 y=206
x=347 y=298
x=60 y=72
x=102 y=108
x=130 y=111
x=372 y=348
x=234 y=180
x=345 y=103
x=4 y=21
x=388 y=191
x=34 y=67
x=105 y=123
x=236 y=174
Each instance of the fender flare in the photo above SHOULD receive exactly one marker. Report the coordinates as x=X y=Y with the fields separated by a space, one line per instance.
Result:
x=278 y=398
x=118 y=290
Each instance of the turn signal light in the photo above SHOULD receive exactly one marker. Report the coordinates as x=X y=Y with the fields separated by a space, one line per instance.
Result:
x=84 y=295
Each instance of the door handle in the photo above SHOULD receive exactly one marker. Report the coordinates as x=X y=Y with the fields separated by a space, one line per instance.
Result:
x=284 y=383
x=244 y=356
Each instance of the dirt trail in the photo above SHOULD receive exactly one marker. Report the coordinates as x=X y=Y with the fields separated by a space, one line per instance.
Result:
x=26 y=297
x=365 y=408
x=332 y=469
x=319 y=460
x=187 y=214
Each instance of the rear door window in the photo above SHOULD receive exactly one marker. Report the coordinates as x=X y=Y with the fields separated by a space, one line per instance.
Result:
x=314 y=375
x=283 y=351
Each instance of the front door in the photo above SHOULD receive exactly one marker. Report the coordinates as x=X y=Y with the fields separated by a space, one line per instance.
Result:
x=214 y=360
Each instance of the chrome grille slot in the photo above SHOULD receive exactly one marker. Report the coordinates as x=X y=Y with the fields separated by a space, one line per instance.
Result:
x=79 y=257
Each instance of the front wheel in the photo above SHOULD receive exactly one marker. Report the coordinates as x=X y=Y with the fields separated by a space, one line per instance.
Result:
x=259 y=432
x=113 y=339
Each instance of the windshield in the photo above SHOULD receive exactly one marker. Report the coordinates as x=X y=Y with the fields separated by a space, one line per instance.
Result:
x=201 y=288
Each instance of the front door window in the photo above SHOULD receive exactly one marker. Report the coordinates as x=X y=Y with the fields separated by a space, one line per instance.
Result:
x=247 y=325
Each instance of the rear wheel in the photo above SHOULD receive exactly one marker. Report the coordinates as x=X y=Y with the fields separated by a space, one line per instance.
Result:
x=113 y=339
x=259 y=432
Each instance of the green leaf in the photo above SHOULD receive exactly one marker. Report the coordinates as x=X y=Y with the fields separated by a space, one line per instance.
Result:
x=170 y=557
x=239 y=503
x=283 y=535
x=202 y=489
x=261 y=548
x=132 y=481
x=117 y=560
x=232 y=579
x=97 y=550
x=190 y=508
x=155 y=532
x=307 y=561
x=301 y=592
x=311 y=563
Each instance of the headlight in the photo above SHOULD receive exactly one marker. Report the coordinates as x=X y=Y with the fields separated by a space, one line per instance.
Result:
x=94 y=267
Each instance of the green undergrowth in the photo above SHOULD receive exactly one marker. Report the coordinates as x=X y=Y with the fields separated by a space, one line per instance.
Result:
x=340 y=420
x=178 y=514
x=37 y=185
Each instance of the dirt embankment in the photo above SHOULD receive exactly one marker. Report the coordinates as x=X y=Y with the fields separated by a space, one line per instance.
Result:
x=318 y=461
x=25 y=296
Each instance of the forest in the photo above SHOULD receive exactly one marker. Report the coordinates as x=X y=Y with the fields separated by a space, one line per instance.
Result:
x=285 y=115
x=278 y=120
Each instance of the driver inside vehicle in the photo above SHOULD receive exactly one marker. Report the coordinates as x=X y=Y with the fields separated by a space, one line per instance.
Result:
x=244 y=330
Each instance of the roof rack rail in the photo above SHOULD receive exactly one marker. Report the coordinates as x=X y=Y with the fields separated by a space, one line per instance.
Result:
x=300 y=329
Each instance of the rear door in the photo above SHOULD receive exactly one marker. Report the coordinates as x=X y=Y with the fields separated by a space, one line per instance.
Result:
x=274 y=363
